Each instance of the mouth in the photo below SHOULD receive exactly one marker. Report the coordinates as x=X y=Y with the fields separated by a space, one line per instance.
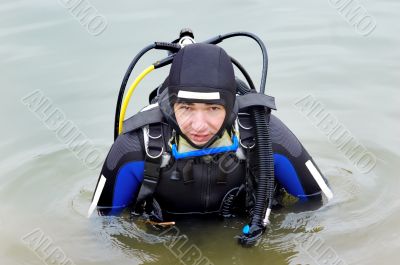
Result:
x=200 y=138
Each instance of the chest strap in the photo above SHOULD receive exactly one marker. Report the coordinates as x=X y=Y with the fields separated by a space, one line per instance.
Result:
x=154 y=144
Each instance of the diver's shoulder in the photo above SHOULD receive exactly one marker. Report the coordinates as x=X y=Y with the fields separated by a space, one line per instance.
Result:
x=151 y=114
x=128 y=147
x=128 y=142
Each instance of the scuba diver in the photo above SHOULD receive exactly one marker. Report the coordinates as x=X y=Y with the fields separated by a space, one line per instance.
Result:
x=207 y=144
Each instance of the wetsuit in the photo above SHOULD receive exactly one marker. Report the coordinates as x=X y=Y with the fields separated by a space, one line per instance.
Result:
x=123 y=170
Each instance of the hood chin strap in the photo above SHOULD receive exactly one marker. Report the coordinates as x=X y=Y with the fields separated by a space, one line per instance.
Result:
x=224 y=144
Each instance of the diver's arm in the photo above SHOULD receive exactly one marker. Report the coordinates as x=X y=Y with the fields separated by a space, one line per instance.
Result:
x=295 y=170
x=121 y=174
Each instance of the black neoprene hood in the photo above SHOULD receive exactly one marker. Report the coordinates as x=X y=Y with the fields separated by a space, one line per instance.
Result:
x=206 y=72
x=201 y=73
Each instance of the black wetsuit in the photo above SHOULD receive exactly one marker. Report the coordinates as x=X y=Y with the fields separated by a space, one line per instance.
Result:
x=202 y=189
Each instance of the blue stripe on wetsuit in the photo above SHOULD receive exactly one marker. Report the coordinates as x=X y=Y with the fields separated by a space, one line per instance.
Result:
x=128 y=181
x=287 y=176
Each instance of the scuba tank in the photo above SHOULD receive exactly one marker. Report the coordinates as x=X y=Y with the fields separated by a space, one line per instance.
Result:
x=260 y=115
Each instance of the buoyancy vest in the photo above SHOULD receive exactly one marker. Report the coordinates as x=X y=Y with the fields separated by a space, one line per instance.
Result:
x=202 y=184
x=199 y=184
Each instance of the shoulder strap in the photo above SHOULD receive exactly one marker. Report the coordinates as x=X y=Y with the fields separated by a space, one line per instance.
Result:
x=244 y=123
x=156 y=156
x=255 y=99
x=246 y=130
x=149 y=115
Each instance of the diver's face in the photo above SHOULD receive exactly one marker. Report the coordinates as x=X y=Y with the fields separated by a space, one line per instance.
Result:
x=199 y=121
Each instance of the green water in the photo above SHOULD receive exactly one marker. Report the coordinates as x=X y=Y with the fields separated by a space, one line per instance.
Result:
x=314 y=50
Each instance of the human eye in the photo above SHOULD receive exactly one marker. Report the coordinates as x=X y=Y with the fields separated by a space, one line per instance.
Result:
x=214 y=108
x=185 y=107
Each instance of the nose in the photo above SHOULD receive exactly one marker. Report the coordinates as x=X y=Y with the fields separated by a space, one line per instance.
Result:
x=199 y=123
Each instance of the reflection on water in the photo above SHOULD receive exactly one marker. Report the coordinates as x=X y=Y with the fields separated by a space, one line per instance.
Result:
x=313 y=51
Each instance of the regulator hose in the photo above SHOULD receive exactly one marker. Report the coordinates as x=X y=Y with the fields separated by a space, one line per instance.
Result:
x=220 y=38
x=157 y=45
x=265 y=161
x=265 y=177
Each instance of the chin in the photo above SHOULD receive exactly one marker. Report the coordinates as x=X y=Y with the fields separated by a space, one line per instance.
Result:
x=199 y=143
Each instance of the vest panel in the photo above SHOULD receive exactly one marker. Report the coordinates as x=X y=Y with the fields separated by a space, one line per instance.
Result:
x=202 y=186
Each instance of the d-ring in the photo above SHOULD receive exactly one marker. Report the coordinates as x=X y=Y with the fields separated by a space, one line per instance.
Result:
x=156 y=156
x=241 y=125
x=149 y=135
x=146 y=137
x=246 y=147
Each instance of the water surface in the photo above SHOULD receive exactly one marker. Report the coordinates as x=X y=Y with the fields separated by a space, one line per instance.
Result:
x=45 y=188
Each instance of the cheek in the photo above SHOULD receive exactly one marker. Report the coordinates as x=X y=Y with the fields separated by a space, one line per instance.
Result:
x=184 y=122
x=216 y=122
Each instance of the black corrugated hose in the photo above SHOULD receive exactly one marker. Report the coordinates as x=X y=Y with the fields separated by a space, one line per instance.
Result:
x=265 y=165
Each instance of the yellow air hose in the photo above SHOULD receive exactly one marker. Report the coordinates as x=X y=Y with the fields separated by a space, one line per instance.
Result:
x=129 y=94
